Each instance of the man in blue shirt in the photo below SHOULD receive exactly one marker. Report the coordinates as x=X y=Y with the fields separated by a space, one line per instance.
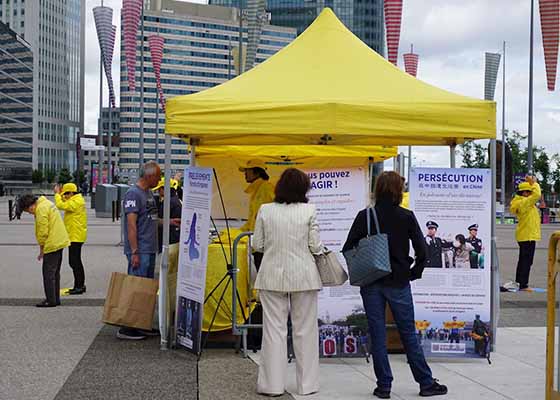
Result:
x=140 y=233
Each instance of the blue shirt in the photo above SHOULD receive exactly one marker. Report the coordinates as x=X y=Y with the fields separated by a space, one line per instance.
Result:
x=142 y=203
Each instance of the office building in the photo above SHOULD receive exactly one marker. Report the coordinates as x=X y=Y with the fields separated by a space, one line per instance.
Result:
x=16 y=109
x=200 y=43
x=55 y=29
x=363 y=17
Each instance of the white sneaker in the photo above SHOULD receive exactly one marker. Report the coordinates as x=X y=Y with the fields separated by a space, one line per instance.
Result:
x=511 y=286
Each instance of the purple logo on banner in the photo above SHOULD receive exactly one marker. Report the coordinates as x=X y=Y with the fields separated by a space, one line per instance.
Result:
x=517 y=179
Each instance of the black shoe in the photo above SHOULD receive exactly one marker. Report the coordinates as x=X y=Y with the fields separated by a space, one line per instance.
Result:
x=151 y=332
x=435 y=389
x=130 y=334
x=45 y=304
x=382 y=393
x=77 y=290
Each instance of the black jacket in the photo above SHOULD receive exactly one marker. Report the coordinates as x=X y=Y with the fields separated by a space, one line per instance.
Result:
x=401 y=227
x=175 y=212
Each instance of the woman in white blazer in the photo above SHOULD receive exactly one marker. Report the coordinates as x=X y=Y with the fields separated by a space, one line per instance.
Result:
x=286 y=231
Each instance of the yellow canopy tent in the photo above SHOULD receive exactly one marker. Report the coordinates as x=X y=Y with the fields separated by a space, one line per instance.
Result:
x=325 y=88
x=328 y=87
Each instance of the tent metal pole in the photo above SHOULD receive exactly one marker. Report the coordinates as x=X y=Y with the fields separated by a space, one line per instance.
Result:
x=164 y=267
x=494 y=295
x=409 y=164
x=452 y=154
x=503 y=178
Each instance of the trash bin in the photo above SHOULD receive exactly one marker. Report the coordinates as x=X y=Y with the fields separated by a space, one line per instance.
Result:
x=105 y=194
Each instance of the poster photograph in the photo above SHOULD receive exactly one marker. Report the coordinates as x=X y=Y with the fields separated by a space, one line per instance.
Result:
x=339 y=194
x=452 y=300
x=193 y=256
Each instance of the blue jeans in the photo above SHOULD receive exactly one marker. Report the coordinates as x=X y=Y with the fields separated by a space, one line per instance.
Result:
x=146 y=267
x=375 y=297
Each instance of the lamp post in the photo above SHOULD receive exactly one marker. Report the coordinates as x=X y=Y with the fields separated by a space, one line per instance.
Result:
x=530 y=127
x=141 y=137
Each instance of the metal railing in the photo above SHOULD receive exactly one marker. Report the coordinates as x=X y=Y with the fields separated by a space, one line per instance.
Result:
x=551 y=392
x=240 y=329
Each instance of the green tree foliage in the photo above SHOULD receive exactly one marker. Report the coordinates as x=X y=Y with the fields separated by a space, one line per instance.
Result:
x=50 y=175
x=64 y=176
x=474 y=155
x=79 y=175
x=37 y=176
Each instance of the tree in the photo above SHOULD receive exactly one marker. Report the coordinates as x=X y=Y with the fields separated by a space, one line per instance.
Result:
x=79 y=176
x=50 y=175
x=37 y=176
x=474 y=155
x=64 y=176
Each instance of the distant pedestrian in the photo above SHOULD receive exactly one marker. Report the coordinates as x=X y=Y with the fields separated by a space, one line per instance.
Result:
x=528 y=231
x=73 y=204
x=140 y=233
x=52 y=238
x=176 y=208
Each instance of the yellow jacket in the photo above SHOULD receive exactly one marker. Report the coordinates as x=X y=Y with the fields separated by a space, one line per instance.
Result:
x=405 y=200
x=75 y=216
x=261 y=192
x=49 y=228
x=528 y=217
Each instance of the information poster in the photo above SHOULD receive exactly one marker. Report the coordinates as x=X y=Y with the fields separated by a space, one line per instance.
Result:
x=193 y=256
x=339 y=194
x=452 y=300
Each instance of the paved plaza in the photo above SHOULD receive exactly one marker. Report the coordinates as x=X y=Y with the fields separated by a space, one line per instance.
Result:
x=67 y=353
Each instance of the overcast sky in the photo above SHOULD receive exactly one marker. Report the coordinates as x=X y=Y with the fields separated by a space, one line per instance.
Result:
x=451 y=38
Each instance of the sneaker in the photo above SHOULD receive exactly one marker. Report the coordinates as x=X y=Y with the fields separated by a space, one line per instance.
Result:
x=130 y=334
x=382 y=393
x=435 y=389
x=511 y=286
x=151 y=332
x=45 y=304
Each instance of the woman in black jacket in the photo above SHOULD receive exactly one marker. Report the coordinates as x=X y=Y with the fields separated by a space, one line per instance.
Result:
x=401 y=227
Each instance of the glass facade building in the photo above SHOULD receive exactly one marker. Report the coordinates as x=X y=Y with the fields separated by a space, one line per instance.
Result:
x=363 y=17
x=16 y=107
x=200 y=43
x=55 y=29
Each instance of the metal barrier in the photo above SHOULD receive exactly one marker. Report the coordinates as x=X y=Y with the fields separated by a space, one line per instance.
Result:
x=553 y=269
x=240 y=330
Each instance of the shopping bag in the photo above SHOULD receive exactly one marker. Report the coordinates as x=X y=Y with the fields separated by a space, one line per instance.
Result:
x=130 y=301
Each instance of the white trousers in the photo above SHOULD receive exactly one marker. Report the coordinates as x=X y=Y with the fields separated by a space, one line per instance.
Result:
x=302 y=307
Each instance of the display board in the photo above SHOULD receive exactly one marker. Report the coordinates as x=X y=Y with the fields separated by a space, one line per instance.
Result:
x=339 y=194
x=453 y=208
x=193 y=257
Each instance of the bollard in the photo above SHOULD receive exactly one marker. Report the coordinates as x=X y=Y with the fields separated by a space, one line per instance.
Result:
x=10 y=207
x=113 y=210
x=118 y=210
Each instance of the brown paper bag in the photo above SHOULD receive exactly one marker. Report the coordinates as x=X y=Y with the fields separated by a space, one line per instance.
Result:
x=130 y=301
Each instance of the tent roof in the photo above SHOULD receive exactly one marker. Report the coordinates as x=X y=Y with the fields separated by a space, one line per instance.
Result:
x=378 y=153
x=328 y=87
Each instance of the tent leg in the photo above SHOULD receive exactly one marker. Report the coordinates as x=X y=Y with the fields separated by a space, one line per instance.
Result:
x=452 y=154
x=494 y=291
x=164 y=267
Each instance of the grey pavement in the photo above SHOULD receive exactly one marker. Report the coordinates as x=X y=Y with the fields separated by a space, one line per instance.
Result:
x=67 y=353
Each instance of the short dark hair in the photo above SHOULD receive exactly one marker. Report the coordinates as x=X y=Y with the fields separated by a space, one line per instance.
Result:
x=389 y=186
x=292 y=187
x=261 y=173
x=25 y=201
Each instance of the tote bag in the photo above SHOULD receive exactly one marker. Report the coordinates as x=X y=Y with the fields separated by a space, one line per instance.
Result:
x=332 y=273
x=370 y=260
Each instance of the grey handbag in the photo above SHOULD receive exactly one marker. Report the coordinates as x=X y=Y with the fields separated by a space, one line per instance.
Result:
x=332 y=273
x=370 y=260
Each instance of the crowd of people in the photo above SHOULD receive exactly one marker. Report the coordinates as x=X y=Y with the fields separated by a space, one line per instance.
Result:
x=286 y=239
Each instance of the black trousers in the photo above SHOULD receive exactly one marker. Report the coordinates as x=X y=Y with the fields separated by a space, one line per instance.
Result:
x=51 y=276
x=526 y=255
x=75 y=260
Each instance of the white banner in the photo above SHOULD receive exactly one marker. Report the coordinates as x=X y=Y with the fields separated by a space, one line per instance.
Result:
x=453 y=208
x=339 y=194
x=193 y=256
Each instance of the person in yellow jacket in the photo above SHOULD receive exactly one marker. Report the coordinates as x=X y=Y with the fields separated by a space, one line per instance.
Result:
x=260 y=190
x=528 y=231
x=52 y=238
x=68 y=199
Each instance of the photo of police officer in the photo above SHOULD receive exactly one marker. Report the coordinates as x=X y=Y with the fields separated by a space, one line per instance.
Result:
x=436 y=246
x=476 y=259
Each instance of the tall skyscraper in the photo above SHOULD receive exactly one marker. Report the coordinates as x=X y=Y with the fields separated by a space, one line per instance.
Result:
x=16 y=108
x=200 y=44
x=363 y=17
x=55 y=29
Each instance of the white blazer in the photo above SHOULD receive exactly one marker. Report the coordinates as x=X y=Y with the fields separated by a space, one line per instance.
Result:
x=288 y=235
